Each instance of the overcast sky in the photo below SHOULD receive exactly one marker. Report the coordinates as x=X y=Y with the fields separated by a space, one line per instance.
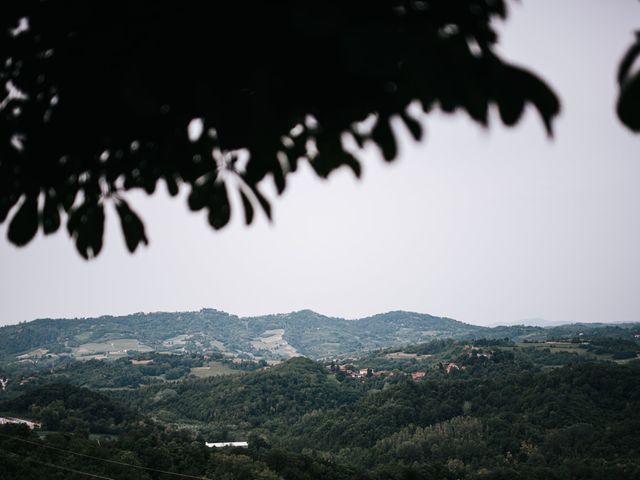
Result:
x=484 y=226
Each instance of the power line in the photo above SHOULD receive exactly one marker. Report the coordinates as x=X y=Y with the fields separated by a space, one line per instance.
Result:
x=53 y=465
x=115 y=462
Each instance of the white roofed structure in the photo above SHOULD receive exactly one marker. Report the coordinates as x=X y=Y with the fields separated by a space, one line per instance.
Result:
x=227 y=444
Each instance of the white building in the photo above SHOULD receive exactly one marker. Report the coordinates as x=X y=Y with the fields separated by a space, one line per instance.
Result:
x=28 y=423
x=227 y=444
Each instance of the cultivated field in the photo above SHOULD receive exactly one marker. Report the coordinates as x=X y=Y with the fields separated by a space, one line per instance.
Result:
x=112 y=347
x=213 y=369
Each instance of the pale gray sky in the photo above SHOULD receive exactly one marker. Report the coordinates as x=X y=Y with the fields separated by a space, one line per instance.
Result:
x=480 y=225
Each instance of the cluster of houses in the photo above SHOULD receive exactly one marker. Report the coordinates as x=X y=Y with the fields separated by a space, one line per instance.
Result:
x=476 y=351
x=354 y=372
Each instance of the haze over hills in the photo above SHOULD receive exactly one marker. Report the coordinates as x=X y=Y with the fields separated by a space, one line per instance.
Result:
x=532 y=322
x=268 y=337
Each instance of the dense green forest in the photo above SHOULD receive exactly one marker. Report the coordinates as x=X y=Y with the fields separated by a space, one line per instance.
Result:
x=128 y=372
x=479 y=409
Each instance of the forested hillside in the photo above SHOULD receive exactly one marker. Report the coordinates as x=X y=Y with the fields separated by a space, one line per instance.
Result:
x=268 y=337
x=48 y=343
x=447 y=409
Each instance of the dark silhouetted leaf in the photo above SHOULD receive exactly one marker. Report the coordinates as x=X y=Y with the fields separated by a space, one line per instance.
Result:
x=248 y=208
x=219 y=207
x=264 y=203
x=628 y=106
x=383 y=136
x=510 y=109
x=6 y=203
x=50 y=215
x=110 y=95
x=132 y=226
x=86 y=227
x=198 y=197
x=413 y=125
x=624 y=69
x=24 y=224
x=172 y=185
x=545 y=101
x=279 y=179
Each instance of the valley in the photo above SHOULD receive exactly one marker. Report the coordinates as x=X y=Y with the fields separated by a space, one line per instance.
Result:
x=467 y=403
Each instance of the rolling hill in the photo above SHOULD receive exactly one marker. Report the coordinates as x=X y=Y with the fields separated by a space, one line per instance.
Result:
x=269 y=337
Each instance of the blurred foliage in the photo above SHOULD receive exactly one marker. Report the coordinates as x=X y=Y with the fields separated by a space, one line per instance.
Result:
x=104 y=97
x=629 y=81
